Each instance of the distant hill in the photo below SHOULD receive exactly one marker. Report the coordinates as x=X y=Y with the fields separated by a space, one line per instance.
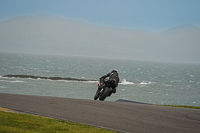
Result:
x=54 y=35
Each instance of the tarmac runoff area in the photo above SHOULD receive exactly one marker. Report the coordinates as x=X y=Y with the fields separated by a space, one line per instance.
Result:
x=123 y=116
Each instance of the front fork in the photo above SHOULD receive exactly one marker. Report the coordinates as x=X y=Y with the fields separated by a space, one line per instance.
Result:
x=98 y=93
x=96 y=96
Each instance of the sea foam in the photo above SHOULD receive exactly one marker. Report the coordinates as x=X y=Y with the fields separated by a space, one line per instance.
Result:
x=15 y=81
x=124 y=82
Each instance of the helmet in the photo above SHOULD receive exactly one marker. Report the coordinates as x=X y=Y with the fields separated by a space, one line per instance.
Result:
x=114 y=70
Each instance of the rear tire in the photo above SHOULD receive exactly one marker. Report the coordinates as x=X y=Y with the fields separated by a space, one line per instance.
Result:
x=105 y=94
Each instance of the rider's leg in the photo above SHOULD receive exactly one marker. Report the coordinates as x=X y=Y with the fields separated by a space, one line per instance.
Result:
x=114 y=90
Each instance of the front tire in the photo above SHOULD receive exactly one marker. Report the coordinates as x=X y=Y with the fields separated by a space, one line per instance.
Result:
x=96 y=96
x=105 y=94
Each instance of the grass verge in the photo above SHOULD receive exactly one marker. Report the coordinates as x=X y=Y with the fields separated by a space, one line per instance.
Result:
x=24 y=123
x=182 y=106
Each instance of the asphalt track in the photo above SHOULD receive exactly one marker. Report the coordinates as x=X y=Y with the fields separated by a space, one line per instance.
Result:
x=120 y=116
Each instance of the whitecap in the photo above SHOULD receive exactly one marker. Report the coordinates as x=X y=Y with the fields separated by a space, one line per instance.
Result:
x=124 y=82
x=3 y=77
x=3 y=87
x=191 y=75
x=167 y=85
x=145 y=83
x=90 y=81
x=64 y=81
x=16 y=81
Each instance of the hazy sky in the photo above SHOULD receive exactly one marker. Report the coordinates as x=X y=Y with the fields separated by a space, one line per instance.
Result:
x=153 y=15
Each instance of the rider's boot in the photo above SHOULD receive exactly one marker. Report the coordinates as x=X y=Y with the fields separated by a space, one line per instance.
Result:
x=112 y=91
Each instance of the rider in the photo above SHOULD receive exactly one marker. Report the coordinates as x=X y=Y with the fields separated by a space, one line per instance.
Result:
x=114 y=80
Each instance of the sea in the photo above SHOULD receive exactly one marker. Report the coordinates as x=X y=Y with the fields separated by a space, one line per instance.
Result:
x=141 y=81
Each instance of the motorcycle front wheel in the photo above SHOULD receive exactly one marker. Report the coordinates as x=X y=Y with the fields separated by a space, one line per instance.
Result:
x=96 y=96
x=105 y=94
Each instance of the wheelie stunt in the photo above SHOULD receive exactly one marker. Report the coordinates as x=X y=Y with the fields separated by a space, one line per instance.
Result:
x=107 y=86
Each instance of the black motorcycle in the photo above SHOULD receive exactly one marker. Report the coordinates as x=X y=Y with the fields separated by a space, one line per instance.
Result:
x=103 y=89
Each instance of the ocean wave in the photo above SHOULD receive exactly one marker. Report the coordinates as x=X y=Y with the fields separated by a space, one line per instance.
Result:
x=145 y=83
x=90 y=81
x=15 y=81
x=167 y=85
x=72 y=81
x=3 y=87
x=3 y=77
x=198 y=83
x=124 y=82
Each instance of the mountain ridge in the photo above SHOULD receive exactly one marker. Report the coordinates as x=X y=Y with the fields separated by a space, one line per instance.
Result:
x=28 y=17
x=54 y=35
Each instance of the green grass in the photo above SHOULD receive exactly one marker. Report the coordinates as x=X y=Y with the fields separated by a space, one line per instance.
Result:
x=24 y=123
x=183 y=106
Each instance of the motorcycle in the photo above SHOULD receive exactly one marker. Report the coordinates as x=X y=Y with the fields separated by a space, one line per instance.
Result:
x=103 y=89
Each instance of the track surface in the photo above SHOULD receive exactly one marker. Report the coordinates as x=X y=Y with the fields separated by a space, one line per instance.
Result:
x=124 y=117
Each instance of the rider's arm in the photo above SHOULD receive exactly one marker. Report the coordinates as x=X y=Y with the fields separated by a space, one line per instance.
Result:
x=105 y=76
